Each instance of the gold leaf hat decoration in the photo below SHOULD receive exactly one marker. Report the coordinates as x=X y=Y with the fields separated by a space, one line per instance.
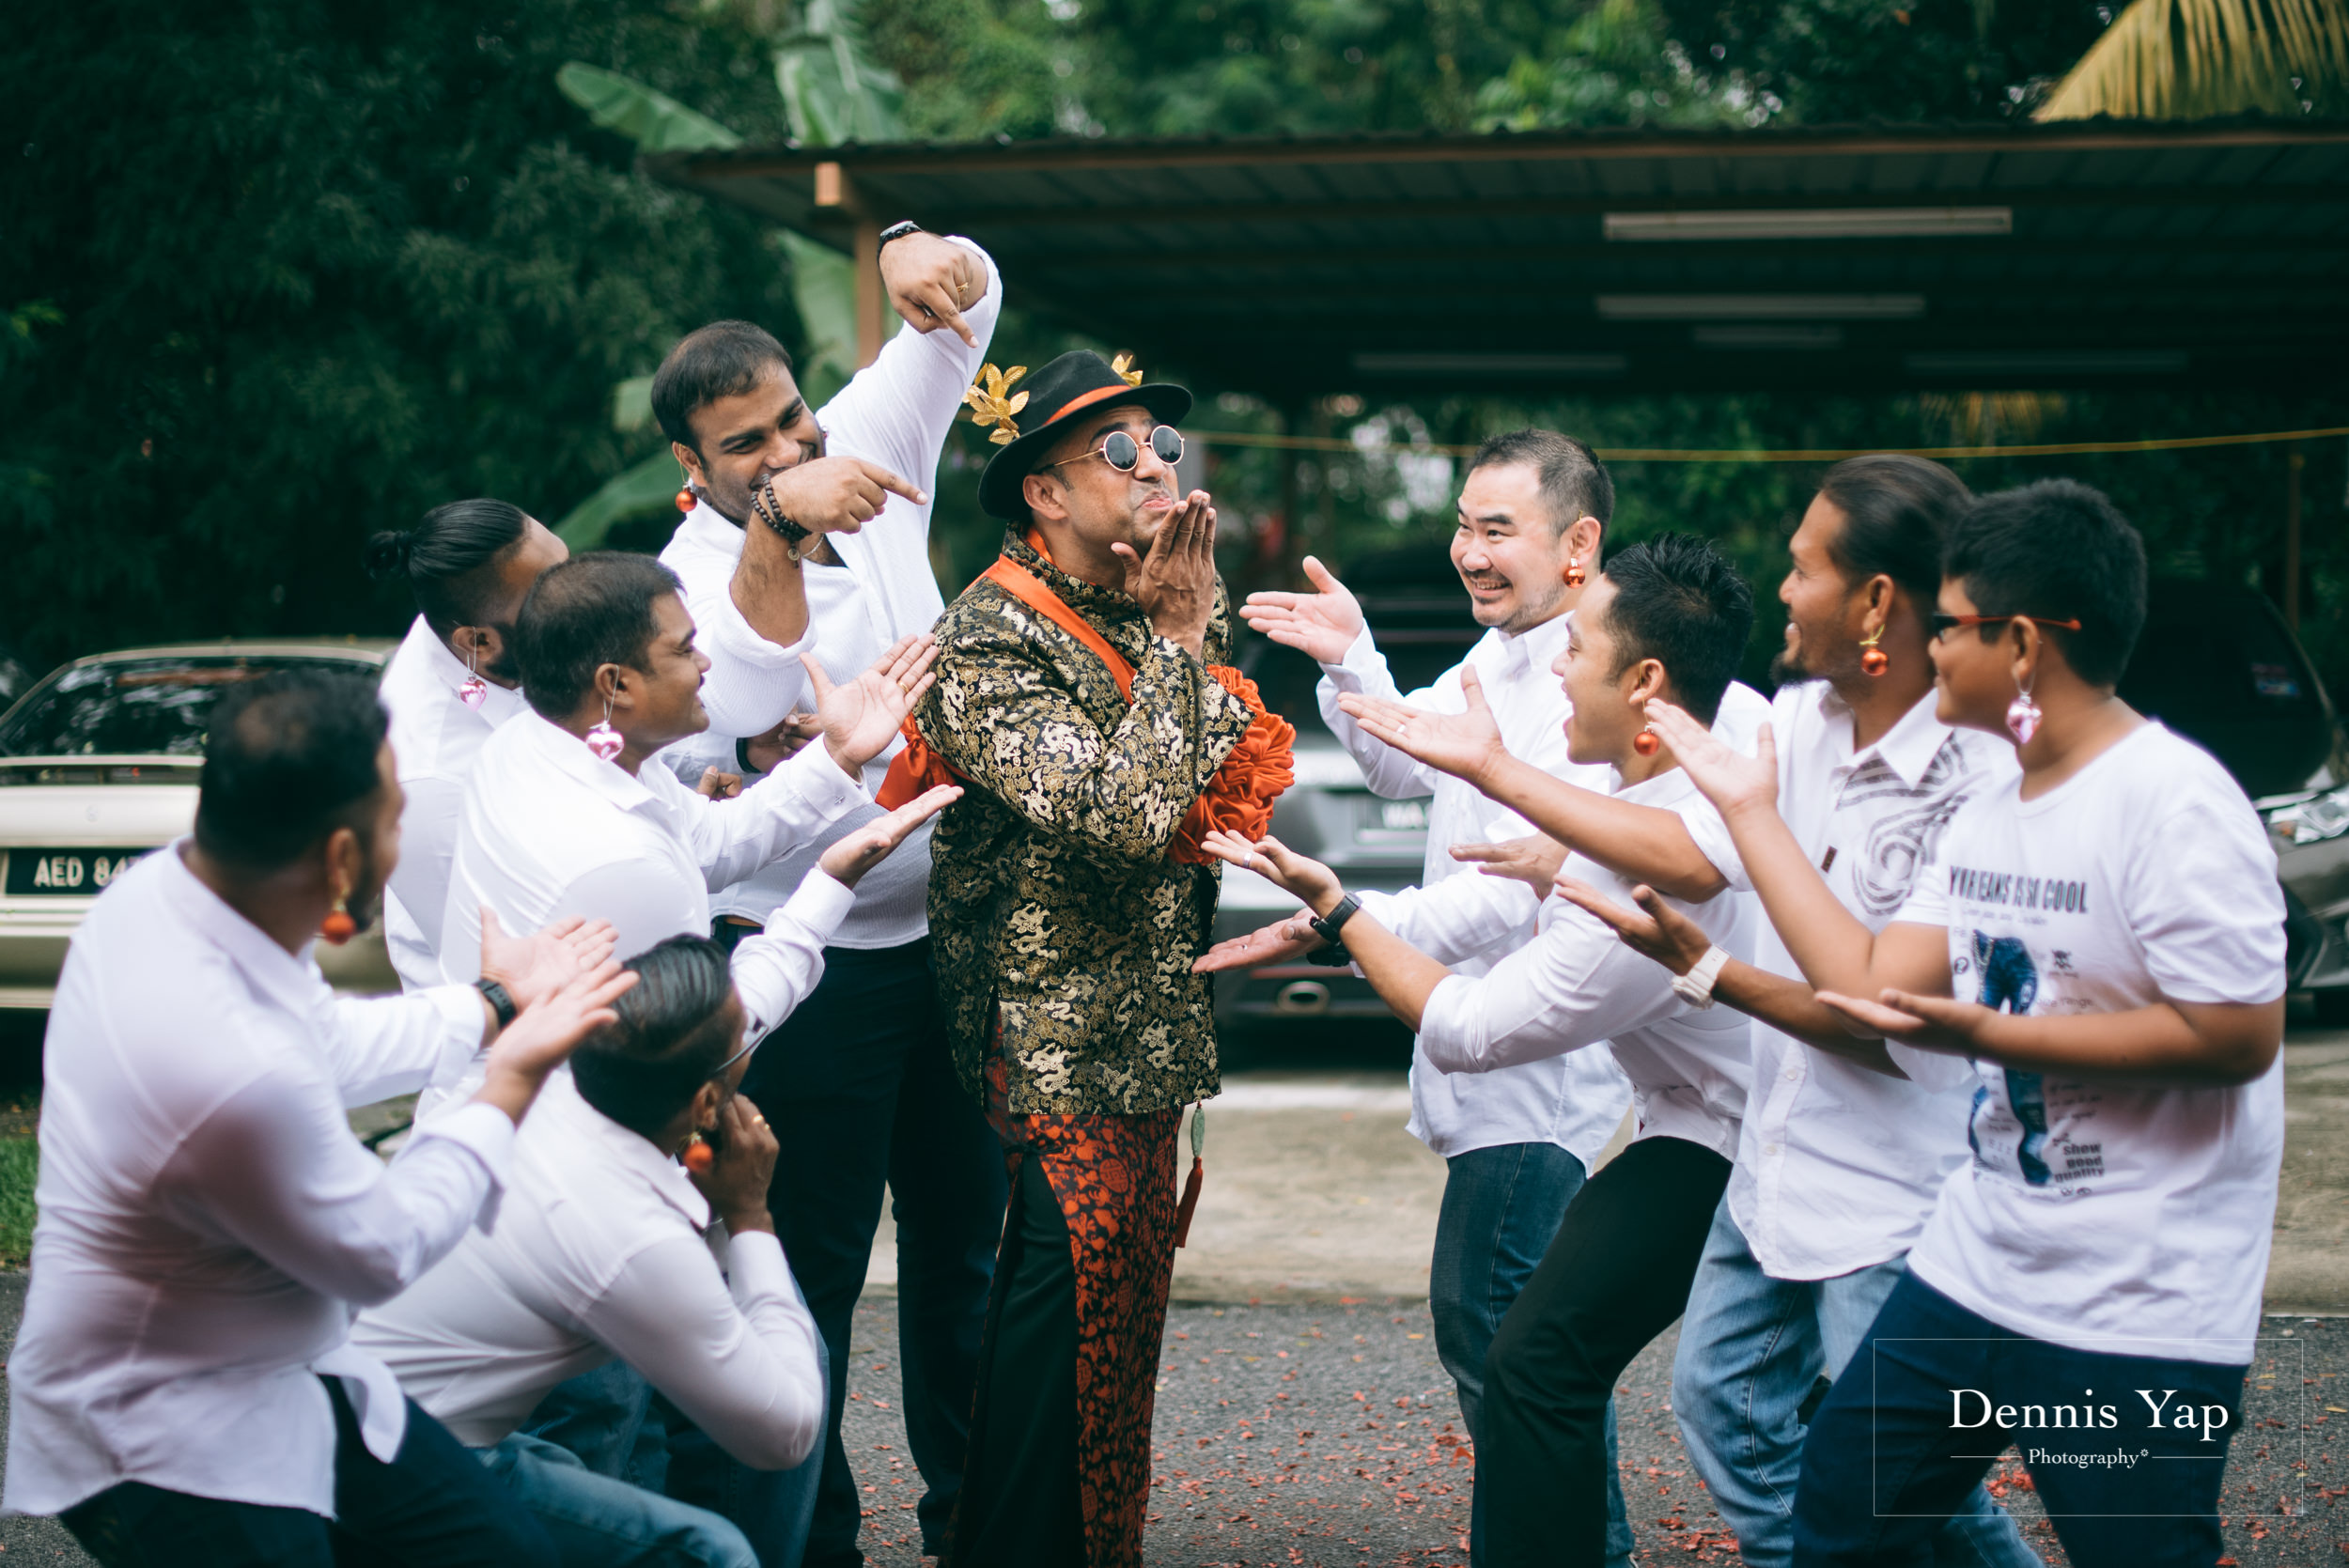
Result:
x=990 y=406
x=1124 y=366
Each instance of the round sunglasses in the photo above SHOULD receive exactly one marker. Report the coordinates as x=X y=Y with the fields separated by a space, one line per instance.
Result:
x=1124 y=454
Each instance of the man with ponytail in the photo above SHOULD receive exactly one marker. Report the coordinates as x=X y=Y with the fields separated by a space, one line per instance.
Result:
x=451 y=685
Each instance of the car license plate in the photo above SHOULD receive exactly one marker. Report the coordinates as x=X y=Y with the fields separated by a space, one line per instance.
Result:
x=1377 y=822
x=67 y=873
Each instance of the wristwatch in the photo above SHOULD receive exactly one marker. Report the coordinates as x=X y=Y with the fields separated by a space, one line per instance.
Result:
x=500 y=1000
x=1696 y=987
x=1328 y=927
x=897 y=231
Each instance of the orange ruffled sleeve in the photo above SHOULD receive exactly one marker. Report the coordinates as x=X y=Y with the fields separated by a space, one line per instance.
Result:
x=1240 y=797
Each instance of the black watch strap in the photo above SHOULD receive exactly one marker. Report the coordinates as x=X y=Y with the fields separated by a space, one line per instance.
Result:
x=898 y=231
x=500 y=1000
x=1328 y=925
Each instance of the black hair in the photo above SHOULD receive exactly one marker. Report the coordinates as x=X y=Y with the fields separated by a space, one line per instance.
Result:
x=1896 y=510
x=444 y=559
x=1574 y=484
x=286 y=757
x=724 y=359
x=1679 y=602
x=591 y=611
x=671 y=1038
x=2057 y=550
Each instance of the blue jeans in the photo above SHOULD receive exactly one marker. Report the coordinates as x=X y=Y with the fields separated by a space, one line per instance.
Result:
x=599 y=1522
x=618 y=1426
x=1887 y=1461
x=1501 y=1205
x=1751 y=1347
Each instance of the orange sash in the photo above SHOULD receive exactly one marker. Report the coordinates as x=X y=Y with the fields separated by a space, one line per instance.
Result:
x=1238 y=798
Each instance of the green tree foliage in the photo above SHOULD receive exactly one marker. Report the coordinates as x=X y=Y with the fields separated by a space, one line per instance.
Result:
x=312 y=269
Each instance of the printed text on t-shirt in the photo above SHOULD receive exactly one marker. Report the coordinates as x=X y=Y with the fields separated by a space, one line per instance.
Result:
x=2023 y=893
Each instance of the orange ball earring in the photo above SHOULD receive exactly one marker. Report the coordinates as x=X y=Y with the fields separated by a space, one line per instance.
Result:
x=685 y=499
x=1647 y=743
x=1874 y=659
x=698 y=1155
x=338 y=927
x=1574 y=574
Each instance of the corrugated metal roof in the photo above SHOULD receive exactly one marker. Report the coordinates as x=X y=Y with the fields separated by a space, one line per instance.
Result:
x=1857 y=256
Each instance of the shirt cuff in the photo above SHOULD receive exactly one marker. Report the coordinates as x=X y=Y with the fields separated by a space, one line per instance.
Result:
x=1937 y=1071
x=734 y=636
x=816 y=779
x=755 y=1270
x=1443 y=1024
x=821 y=903
x=484 y=1132
x=1354 y=667
x=467 y=1017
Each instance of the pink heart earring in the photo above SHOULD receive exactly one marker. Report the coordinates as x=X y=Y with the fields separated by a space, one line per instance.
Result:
x=2022 y=715
x=474 y=690
x=603 y=740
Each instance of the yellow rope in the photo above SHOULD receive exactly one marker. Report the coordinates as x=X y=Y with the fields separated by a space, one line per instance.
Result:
x=1819 y=455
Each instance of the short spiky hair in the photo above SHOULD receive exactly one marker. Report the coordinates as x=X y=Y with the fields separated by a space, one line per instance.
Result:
x=287 y=758
x=1574 y=484
x=2060 y=550
x=724 y=359
x=1679 y=602
x=593 y=610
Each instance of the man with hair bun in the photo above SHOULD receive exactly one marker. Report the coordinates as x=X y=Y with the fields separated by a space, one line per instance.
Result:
x=183 y=1389
x=451 y=682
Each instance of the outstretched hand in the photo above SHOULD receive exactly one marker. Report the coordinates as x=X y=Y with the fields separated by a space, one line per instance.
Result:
x=1321 y=625
x=543 y=1036
x=534 y=966
x=1462 y=744
x=1307 y=878
x=1724 y=775
x=1533 y=860
x=1930 y=1023
x=1655 y=930
x=860 y=717
x=854 y=854
x=1292 y=937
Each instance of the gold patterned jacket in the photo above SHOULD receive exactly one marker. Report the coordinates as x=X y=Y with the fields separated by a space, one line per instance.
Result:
x=1051 y=896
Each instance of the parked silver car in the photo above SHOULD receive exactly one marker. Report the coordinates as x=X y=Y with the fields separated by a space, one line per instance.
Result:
x=98 y=765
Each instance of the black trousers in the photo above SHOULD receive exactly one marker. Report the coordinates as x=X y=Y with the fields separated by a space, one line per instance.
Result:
x=860 y=1089
x=1616 y=1275
x=434 y=1506
x=1026 y=1514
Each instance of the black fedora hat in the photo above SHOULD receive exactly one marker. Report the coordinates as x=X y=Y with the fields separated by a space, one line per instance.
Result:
x=1031 y=414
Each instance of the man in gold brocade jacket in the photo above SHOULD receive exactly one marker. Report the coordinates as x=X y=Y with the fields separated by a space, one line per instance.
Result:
x=1075 y=702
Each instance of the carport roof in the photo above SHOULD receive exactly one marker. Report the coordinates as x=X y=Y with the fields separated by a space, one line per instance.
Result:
x=2077 y=253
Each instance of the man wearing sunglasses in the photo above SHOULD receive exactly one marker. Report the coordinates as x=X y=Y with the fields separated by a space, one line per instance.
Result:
x=1075 y=697
x=599 y=1254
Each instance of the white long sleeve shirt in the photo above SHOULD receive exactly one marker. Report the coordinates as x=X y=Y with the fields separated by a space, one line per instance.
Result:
x=599 y=1252
x=551 y=830
x=1574 y=1101
x=897 y=412
x=1472 y=921
x=1839 y=1167
x=208 y=1222
x=434 y=739
x=1577 y=985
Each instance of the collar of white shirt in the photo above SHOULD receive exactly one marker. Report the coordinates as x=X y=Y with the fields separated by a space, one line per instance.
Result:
x=564 y=1132
x=425 y=666
x=1512 y=656
x=291 y=979
x=568 y=755
x=1907 y=748
x=705 y=528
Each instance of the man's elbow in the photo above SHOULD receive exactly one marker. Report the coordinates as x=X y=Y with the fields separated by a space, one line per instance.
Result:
x=782 y=1444
x=2231 y=1064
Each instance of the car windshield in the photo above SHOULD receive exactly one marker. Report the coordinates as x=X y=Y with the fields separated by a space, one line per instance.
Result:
x=133 y=707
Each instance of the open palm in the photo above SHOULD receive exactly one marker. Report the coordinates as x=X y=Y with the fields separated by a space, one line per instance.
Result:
x=858 y=717
x=1321 y=625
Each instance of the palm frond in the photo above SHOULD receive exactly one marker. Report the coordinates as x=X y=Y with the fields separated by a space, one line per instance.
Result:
x=2184 y=59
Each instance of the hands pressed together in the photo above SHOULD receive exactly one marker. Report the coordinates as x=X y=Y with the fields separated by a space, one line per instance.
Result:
x=1175 y=583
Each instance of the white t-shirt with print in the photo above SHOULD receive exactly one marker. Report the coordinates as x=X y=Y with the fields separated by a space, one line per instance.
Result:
x=2095 y=1215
